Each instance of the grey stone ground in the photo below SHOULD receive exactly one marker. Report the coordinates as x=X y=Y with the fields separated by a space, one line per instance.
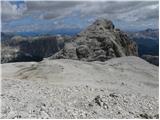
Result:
x=124 y=87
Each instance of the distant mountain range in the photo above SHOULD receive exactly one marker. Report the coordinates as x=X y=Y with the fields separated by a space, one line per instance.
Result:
x=98 y=42
x=6 y=36
x=147 y=41
x=70 y=32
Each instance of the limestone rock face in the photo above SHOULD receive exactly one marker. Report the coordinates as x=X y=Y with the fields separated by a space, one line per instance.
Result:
x=19 y=49
x=99 y=42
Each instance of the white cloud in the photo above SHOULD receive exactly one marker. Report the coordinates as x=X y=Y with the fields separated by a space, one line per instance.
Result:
x=53 y=9
x=133 y=13
x=126 y=11
x=11 y=11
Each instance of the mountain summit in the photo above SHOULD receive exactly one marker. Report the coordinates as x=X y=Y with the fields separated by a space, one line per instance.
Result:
x=98 y=42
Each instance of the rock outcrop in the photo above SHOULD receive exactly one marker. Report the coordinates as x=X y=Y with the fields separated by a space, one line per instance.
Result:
x=19 y=49
x=99 y=42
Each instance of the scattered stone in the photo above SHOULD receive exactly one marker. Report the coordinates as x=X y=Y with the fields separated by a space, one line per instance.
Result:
x=99 y=100
x=146 y=116
x=113 y=95
x=90 y=105
x=122 y=83
x=119 y=112
x=156 y=116
x=53 y=93
x=18 y=116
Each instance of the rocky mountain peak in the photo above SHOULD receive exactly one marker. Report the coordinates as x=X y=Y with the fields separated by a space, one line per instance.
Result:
x=98 y=42
x=107 y=24
x=100 y=26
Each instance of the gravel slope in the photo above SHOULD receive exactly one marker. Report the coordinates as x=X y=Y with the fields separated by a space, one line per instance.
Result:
x=124 y=87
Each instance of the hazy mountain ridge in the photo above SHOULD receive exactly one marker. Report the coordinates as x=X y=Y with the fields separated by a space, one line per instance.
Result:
x=6 y=36
x=151 y=59
x=148 y=33
x=148 y=44
x=31 y=48
x=147 y=41
x=18 y=48
x=100 y=41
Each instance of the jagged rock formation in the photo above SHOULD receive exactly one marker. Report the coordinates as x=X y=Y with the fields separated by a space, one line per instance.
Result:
x=151 y=59
x=125 y=87
x=30 y=48
x=99 y=42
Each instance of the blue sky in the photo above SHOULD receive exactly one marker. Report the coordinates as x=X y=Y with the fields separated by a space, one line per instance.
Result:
x=20 y=16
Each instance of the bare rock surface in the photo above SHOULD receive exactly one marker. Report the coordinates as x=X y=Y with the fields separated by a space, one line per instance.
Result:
x=98 y=42
x=22 y=49
x=125 y=87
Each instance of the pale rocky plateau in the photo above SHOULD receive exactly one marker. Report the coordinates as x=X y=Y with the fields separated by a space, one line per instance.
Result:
x=125 y=87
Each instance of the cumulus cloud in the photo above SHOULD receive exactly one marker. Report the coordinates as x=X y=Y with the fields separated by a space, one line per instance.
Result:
x=51 y=9
x=54 y=9
x=11 y=11
x=130 y=12
x=126 y=11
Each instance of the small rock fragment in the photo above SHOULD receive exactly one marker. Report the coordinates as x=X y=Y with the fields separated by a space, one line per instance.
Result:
x=113 y=95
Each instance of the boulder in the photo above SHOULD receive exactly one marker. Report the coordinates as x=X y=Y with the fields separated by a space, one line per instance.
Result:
x=82 y=51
